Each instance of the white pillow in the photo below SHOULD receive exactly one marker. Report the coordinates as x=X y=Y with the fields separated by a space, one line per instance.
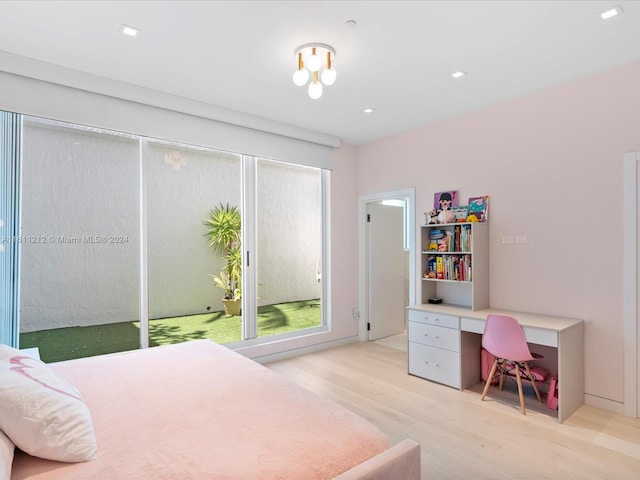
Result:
x=6 y=456
x=41 y=413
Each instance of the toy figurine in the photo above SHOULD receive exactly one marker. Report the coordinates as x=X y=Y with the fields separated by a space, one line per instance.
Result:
x=432 y=217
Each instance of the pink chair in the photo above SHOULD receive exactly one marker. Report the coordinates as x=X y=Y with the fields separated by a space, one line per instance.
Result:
x=503 y=337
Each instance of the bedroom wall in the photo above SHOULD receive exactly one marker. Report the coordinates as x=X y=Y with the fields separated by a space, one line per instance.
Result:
x=552 y=165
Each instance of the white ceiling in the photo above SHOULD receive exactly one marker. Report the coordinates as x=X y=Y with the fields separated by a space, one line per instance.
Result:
x=398 y=59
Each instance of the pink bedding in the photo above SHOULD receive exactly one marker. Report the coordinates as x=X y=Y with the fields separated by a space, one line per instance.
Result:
x=197 y=410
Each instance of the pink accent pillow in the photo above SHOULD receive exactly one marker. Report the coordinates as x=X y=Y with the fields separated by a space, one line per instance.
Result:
x=41 y=413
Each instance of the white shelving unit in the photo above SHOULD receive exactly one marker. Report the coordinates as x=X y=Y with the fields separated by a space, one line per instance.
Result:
x=435 y=340
x=473 y=293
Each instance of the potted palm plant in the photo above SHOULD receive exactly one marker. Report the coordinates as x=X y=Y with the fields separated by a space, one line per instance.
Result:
x=224 y=230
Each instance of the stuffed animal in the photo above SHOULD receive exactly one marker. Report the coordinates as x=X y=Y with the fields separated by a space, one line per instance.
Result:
x=432 y=217
x=446 y=216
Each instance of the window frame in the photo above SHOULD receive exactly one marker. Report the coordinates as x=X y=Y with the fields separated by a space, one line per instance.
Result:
x=249 y=209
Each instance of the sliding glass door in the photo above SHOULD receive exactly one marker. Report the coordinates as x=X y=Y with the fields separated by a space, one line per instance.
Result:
x=289 y=226
x=193 y=197
x=79 y=240
x=129 y=241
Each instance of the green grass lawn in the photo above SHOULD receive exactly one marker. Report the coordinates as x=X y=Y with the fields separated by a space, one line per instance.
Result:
x=75 y=342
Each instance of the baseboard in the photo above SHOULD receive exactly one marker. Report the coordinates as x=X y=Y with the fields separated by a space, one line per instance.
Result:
x=302 y=350
x=604 y=403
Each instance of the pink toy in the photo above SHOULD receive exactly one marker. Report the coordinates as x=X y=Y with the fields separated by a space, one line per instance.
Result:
x=446 y=216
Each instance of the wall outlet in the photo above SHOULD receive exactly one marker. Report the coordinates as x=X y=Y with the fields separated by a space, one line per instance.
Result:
x=356 y=313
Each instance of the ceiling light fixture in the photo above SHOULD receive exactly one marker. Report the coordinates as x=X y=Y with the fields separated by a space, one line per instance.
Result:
x=311 y=58
x=612 y=12
x=127 y=30
x=369 y=110
x=458 y=74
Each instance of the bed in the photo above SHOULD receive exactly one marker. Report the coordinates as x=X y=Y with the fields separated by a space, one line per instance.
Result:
x=198 y=410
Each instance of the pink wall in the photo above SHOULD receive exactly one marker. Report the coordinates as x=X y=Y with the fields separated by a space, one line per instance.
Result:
x=551 y=163
x=344 y=242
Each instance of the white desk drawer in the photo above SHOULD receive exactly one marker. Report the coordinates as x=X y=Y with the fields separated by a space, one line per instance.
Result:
x=539 y=336
x=473 y=325
x=449 y=321
x=434 y=335
x=435 y=364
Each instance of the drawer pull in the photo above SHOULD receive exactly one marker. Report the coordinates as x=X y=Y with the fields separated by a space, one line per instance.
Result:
x=426 y=334
x=427 y=362
x=437 y=336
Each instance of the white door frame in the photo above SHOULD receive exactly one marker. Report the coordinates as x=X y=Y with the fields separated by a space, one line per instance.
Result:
x=630 y=284
x=363 y=302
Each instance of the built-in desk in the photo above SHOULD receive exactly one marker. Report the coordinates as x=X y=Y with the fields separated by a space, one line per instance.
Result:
x=445 y=343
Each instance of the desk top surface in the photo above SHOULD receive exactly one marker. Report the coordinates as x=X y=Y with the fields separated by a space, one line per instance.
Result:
x=547 y=322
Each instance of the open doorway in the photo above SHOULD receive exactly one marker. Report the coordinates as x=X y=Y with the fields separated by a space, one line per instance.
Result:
x=386 y=262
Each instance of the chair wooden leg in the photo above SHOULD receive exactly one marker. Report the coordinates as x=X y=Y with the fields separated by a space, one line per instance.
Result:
x=502 y=367
x=533 y=381
x=519 y=380
x=489 y=378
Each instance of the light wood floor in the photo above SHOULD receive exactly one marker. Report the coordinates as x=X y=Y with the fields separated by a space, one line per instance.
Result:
x=461 y=436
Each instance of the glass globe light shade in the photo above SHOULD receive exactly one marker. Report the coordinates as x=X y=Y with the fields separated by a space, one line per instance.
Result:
x=315 y=90
x=313 y=63
x=328 y=76
x=300 y=77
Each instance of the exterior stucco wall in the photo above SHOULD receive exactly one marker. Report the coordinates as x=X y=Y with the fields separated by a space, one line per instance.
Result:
x=81 y=215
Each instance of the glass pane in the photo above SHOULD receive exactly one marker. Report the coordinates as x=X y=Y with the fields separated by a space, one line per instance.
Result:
x=10 y=135
x=10 y=155
x=289 y=218
x=80 y=240
x=184 y=185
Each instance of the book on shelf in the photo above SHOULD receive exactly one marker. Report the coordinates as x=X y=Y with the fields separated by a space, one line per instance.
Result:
x=449 y=267
x=455 y=238
x=440 y=267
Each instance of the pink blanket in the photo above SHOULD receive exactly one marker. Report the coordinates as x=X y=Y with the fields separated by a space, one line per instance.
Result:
x=197 y=410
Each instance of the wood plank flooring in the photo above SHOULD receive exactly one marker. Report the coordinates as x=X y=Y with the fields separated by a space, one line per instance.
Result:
x=461 y=436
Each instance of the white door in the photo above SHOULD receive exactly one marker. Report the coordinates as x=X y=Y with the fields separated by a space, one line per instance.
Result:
x=387 y=270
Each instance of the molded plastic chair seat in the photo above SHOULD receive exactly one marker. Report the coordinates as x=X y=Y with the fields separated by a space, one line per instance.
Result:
x=503 y=337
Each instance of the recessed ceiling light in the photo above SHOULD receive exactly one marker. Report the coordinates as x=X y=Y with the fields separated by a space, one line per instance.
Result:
x=369 y=110
x=351 y=23
x=612 y=12
x=127 y=30
x=458 y=74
